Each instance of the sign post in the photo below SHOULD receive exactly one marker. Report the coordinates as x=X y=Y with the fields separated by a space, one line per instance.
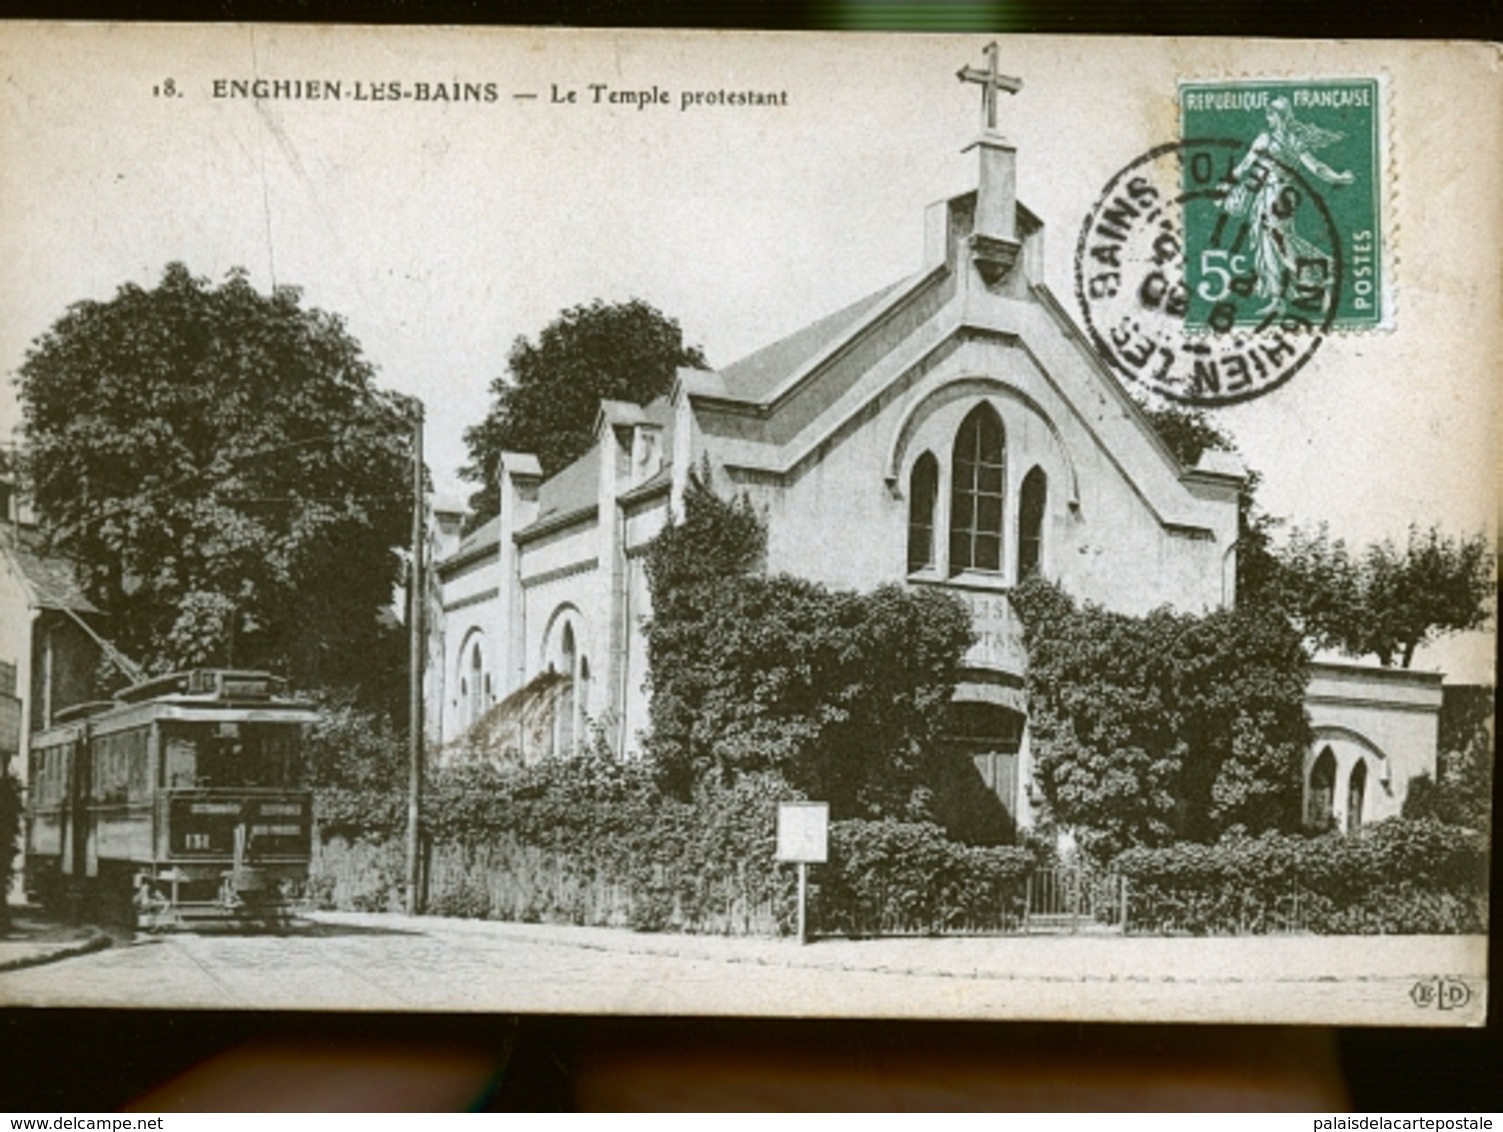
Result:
x=803 y=839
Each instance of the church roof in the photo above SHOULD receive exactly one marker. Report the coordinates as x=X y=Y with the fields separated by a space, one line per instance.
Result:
x=758 y=374
x=51 y=579
x=575 y=488
x=482 y=537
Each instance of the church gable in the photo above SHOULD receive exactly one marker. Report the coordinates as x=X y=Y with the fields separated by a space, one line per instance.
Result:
x=849 y=434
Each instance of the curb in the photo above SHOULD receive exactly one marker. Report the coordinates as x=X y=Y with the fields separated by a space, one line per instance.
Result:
x=97 y=941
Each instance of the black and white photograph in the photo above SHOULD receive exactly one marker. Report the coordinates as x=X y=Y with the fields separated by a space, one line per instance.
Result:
x=748 y=524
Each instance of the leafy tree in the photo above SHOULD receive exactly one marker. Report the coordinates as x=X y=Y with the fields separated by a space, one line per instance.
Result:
x=1147 y=730
x=1461 y=792
x=222 y=467
x=1385 y=601
x=357 y=765
x=842 y=694
x=547 y=402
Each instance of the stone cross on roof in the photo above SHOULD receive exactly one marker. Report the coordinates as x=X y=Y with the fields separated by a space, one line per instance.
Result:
x=991 y=82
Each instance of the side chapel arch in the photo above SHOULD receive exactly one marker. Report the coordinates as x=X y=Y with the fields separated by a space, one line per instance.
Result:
x=566 y=654
x=472 y=677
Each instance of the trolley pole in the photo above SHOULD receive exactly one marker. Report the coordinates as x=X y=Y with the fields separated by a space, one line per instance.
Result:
x=415 y=673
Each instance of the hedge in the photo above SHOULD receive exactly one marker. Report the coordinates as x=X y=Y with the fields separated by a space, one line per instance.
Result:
x=890 y=877
x=590 y=841
x=1396 y=877
x=595 y=842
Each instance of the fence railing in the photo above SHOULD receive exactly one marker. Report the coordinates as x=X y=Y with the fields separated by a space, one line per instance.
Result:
x=1072 y=899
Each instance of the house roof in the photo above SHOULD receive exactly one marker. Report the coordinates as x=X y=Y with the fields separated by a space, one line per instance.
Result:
x=758 y=374
x=50 y=578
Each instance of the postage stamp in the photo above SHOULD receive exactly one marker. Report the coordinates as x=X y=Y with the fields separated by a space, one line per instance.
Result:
x=1251 y=247
x=1141 y=299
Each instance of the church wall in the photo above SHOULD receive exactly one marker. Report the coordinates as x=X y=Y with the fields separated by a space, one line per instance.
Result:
x=838 y=520
x=566 y=548
x=473 y=614
x=1389 y=718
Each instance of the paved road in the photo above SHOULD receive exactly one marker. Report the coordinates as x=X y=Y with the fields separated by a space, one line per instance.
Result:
x=341 y=961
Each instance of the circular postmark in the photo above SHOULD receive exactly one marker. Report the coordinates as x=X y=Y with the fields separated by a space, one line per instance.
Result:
x=1208 y=272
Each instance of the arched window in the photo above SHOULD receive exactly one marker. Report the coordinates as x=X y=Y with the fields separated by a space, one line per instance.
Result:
x=923 y=490
x=583 y=695
x=476 y=705
x=566 y=697
x=1321 y=796
x=1356 y=792
x=1031 y=506
x=976 y=492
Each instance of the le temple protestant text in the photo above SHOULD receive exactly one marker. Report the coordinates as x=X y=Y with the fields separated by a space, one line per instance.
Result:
x=587 y=94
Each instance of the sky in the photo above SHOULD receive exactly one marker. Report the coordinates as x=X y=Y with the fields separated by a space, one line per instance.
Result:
x=441 y=230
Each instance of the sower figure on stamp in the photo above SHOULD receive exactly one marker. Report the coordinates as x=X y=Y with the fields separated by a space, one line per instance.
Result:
x=1267 y=200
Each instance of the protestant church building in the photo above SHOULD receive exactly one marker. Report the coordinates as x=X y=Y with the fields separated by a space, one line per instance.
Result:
x=954 y=429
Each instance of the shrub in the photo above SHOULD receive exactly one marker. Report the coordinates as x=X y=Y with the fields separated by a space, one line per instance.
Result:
x=842 y=694
x=906 y=877
x=357 y=766
x=1399 y=876
x=1161 y=728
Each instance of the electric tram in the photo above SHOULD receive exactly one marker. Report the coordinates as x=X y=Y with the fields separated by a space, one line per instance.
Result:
x=180 y=800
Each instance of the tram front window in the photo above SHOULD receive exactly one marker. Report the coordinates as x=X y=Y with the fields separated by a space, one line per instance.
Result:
x=230 y=754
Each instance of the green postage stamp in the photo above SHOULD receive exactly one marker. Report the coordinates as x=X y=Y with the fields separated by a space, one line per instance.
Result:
x=1282 y=209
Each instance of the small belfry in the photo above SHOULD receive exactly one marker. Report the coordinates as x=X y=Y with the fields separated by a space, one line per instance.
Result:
x=994 y=244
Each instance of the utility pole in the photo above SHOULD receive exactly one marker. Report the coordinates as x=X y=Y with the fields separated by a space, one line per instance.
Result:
x=415 y=674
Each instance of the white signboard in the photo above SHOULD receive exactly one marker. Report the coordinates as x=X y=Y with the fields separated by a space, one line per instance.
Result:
x=804 y=832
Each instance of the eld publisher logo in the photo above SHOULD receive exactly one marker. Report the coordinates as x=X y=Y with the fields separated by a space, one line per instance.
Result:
x=1440 y=993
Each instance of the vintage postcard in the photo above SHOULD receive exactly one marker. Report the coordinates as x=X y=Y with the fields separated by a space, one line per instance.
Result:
x=754 y=524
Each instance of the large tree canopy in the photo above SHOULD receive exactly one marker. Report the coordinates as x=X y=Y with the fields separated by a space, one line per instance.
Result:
x=220 y=464
x=1386 y=601
x=548 y=401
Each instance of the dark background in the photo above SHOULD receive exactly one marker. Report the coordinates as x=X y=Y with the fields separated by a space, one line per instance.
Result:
x=93 y=1060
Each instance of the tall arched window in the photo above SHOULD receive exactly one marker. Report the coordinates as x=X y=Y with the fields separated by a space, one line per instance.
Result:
x=583 y=694
x=923 y=490
x=1321 y=797
x=476 y=705
x=1031 y=505
x=566 y=696
x=1356 y=792
x=976 y=492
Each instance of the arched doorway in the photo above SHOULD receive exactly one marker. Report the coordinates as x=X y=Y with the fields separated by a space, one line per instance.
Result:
x=976 y=797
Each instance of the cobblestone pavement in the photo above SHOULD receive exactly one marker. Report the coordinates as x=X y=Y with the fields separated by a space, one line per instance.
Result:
x=360 y=962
